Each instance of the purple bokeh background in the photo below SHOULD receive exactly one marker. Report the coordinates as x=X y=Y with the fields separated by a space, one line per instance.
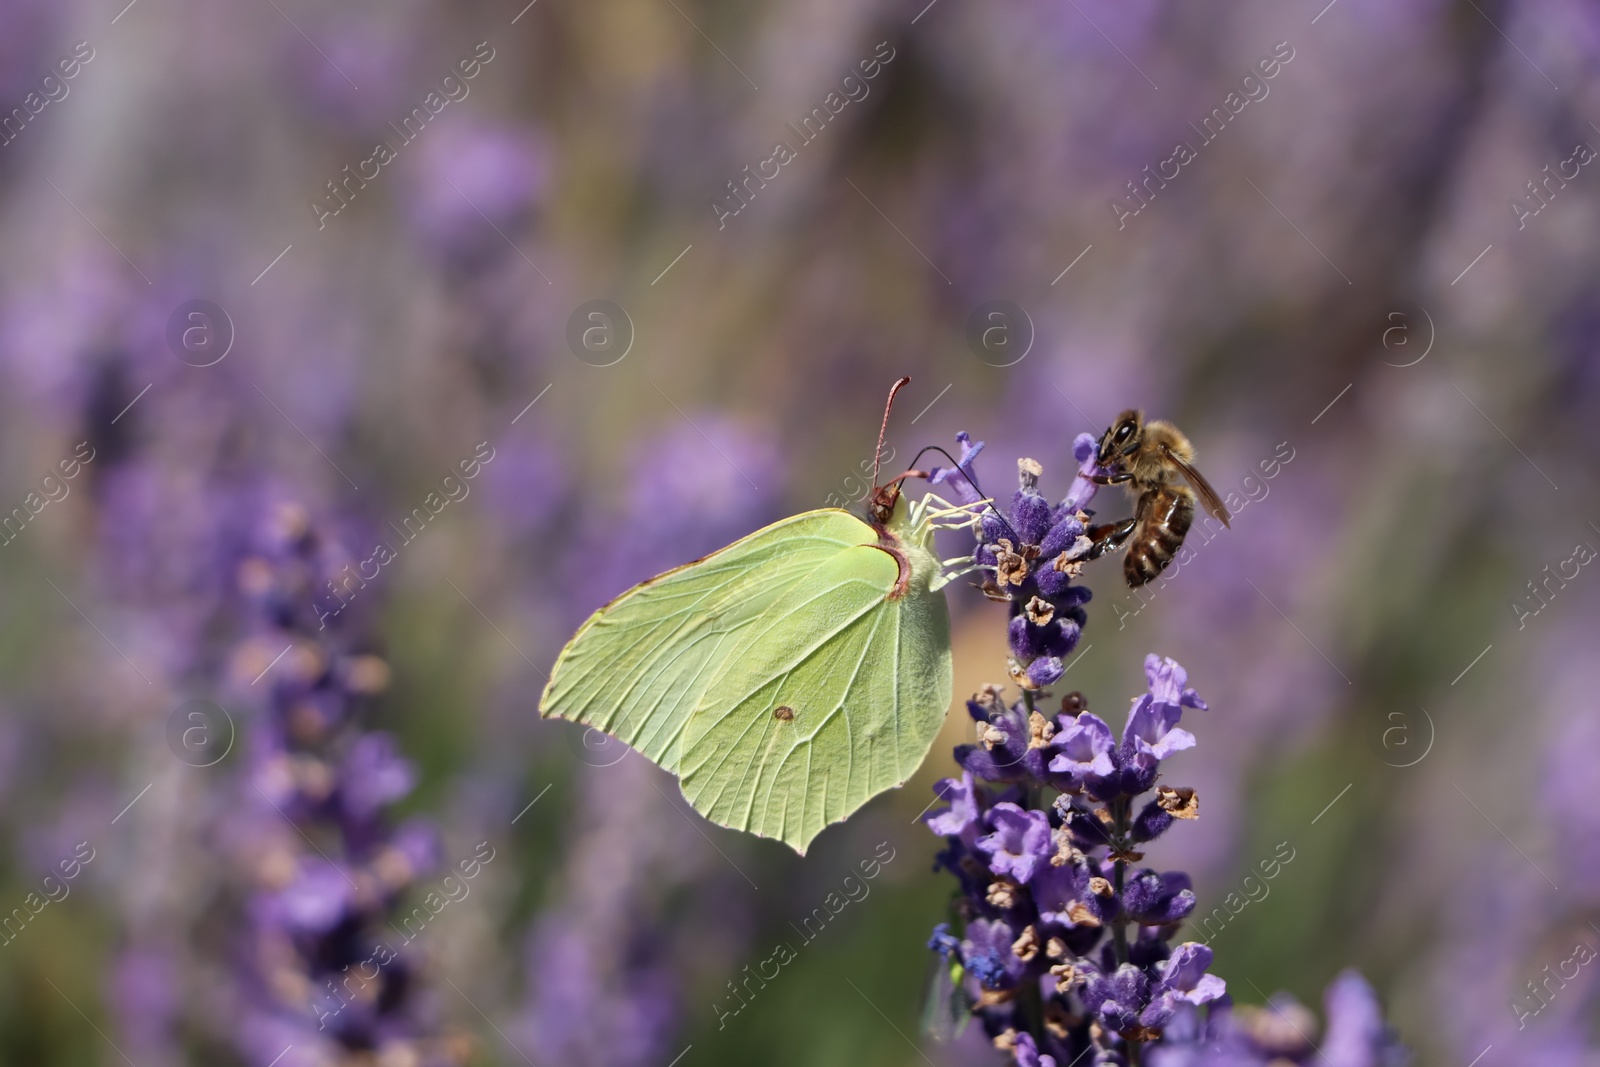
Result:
x=1352 y=286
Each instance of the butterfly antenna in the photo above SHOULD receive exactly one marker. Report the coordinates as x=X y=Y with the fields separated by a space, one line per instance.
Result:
x=970 y=479
x=877 y=456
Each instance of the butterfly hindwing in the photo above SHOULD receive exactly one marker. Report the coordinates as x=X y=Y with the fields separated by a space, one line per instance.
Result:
x=865 y=684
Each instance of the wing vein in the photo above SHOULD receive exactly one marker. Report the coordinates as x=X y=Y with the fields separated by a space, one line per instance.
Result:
x=762 y=683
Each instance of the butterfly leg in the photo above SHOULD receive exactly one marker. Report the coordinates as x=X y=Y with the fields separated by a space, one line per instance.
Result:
x=946 y=511
x=963 y=572
x=945 y=507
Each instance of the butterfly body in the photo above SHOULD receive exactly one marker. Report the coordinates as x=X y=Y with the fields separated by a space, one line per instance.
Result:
x=785 y=679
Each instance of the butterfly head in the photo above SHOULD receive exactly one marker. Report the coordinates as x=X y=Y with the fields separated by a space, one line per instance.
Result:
x=881 y=505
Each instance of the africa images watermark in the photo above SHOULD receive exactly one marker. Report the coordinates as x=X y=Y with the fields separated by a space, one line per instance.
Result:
x=55 y=490
x=856 y=489
x=1253 y=88
x=855 y=891
x=1581 y=955
x=1544 y=592
x=1233 y=903
x=453 y=89
x=364 y=991
x=53 y=89
x=351 y=581
x=33 y=903
x=1522 y=211
x=855 y=88
x=1255 y=490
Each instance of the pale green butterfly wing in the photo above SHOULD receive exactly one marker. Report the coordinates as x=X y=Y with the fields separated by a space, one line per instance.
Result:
x=690 y=667
x=640 y=665
x=865 y=681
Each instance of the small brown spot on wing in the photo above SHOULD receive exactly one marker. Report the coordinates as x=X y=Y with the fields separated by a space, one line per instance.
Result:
x=783 y=713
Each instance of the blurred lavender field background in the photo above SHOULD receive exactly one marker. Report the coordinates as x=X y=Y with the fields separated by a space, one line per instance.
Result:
x=241 y=345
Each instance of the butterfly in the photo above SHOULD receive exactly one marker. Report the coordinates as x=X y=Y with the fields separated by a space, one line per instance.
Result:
x=786 y=679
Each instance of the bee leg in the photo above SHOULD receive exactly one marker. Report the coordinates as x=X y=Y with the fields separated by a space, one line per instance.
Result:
x=1107 y=479
x=1109 y=538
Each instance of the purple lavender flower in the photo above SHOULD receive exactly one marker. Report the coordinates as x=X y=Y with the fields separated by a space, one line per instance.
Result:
x=1028 y=557
x=1356 y=1036
x=1117 y=997
x=1027 y=1054
x=1169 y=683
x=1019 y=843
x=1060 y=892
x=988 y=952
x=327 y=964
x=1153 y=732
x=1066 y=943
x=1155 y=899
x=605 y=961
x=1011 y=739
x=472 y=180
x=146 y=992
x=1082 y=490
x=961 y=817
x=962 y=479
x=373 y=775
x=1281 y=1034
x=1183 y=978
x=1084 y=749
x=315 y=900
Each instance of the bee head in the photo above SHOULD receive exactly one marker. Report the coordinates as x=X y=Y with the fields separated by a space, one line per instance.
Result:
x=1122 y=438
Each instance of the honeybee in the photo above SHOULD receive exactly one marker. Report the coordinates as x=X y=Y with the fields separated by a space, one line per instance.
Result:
x=1150 y=458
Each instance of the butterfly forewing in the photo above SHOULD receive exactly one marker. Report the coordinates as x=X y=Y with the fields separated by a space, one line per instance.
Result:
x=640 y=665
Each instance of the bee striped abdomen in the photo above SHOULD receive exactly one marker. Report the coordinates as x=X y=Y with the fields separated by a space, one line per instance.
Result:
x=1164 y=516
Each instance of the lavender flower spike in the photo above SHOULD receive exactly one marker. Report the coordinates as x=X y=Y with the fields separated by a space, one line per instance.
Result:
x=1065 y=945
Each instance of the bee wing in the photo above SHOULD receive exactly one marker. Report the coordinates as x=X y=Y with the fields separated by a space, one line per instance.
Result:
x=1208 y=496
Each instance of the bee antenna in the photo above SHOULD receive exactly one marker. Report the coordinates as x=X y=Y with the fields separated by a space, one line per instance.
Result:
x=877 y=455
x=972 y=481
